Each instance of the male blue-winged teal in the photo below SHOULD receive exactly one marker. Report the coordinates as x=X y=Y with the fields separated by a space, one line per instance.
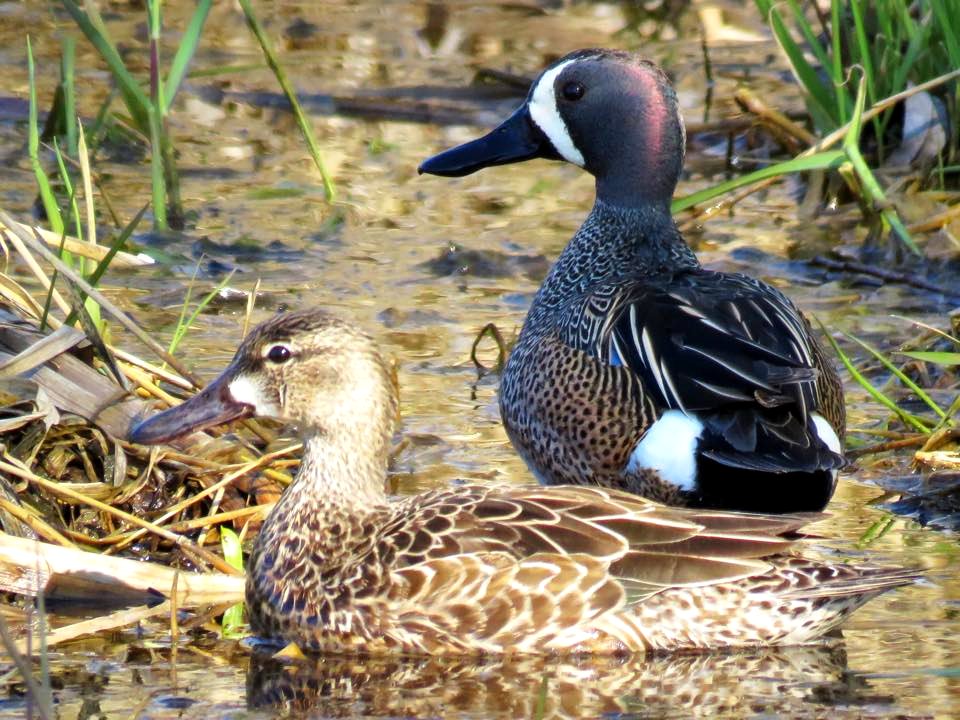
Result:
x=474 y=569
x=636 y=368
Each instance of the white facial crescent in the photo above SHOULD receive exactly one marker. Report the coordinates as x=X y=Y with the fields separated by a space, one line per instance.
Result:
x=543 y=110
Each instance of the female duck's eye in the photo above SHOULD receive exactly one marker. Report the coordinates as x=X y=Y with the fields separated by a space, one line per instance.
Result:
x=278 y=354
x=573 y=91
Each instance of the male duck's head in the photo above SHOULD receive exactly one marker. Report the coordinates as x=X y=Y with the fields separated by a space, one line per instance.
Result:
x=305 y=367
x=609 y=112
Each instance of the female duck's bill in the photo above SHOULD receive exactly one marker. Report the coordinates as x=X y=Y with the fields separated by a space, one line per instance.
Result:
x=215 y=405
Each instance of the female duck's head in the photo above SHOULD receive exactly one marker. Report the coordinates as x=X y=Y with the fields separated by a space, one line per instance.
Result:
x=609 y=112
x=305 y=367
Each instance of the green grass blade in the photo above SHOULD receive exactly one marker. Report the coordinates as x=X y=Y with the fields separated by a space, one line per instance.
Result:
x=232 y=621
x=186 y=51
x=900 y=375
x=919 y=40
x=232 y=550
x=830 y=159
x=864 y=57
x=180 y=330
x=158 y=182
x=865 y=51
x=67 y=74
x=137 y=102
x=931 y=328
x=73 y=208
x=47 y=197
x=868 y=183
x=938 y=358
x=949 y=30
x=115 y=247
x=800 y=20
x=818 y=97
x=302 y=121
x=874 y=392
x=184 y=326
x=836 y=65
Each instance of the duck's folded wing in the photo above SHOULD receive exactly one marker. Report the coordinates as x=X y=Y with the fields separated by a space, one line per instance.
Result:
x=729 y=350
x=705 y=340
x=643 y=543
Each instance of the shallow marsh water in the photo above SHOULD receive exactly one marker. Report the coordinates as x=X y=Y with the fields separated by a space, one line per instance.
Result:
x=424 y=263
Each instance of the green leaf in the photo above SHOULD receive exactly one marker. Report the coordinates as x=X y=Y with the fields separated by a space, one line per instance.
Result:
x=874 y=392
x=102 y=266
x=916 y=389
x=836 y=66
x=943 y=13
x=185 y=323
x=47 y=197
x=275 y=193
x=157 y=180
x=133 y=95
x=868 y=183
x=302 y=121
x=819 y=161
x=876 y=531
x=938 y=358
x=232 y=621
x=69 y=92
x=819 y=100
x=232 y=550
x=865 y=59
x=185 y=52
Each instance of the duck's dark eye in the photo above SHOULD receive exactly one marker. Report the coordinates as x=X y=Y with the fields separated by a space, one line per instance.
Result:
x=573 y=91
x=278 y=354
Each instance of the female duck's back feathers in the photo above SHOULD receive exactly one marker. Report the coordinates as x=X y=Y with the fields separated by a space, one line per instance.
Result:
x=475 y=569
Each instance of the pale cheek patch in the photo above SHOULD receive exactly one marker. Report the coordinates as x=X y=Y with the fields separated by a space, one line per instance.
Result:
x=670 y=447
x=249 y=392
x=543 y=110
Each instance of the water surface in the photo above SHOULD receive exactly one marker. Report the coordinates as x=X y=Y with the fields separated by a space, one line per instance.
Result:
x=424 y=263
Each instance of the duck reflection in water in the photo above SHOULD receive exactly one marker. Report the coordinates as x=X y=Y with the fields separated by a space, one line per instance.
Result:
x=802 y=680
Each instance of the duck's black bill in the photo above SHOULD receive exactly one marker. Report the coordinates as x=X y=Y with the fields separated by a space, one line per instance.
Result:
x=516 y=139
x=213 y=406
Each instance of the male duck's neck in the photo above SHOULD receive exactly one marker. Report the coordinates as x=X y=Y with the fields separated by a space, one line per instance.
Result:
x=618 y=242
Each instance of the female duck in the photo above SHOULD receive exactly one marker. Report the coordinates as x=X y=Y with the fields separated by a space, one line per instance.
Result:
x=636 y=368
x=475 y=569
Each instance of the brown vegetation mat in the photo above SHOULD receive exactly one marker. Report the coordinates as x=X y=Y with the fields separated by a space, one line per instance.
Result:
x=74 y=494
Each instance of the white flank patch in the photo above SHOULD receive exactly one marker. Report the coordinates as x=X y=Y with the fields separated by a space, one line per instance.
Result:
x=249 y=392
x=543 y=110
x=826 y=433
x=669 y=447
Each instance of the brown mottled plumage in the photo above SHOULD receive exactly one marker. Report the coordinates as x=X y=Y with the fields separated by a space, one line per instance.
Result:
x=628 y=329
x=476 y=569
